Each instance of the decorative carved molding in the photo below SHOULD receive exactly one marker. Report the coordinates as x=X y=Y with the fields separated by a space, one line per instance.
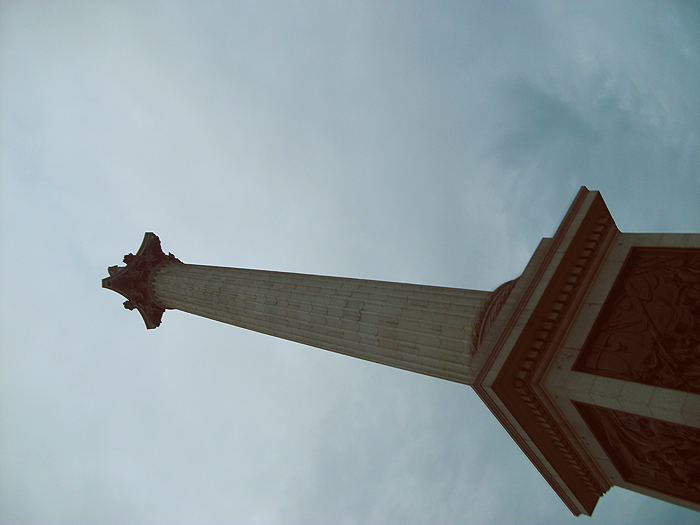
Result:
x=649 y=329
x=549 y=322
x=489 y=312
x=134 y=280
x=655 y=454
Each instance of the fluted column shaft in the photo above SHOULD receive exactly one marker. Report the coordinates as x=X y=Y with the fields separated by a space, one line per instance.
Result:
x=425 y=329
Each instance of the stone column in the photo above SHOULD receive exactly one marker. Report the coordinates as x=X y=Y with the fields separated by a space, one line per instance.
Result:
x=425 y=329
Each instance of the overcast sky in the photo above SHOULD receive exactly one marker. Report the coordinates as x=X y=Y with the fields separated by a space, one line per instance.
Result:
x=427 y=142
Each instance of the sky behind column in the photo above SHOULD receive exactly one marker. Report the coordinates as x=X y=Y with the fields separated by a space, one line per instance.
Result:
x=425 y=142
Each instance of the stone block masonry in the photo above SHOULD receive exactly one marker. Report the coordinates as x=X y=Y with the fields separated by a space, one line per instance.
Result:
x=425 y=329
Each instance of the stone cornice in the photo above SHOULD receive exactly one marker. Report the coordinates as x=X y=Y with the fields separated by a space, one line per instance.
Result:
x=534 y=314
x=528 y=362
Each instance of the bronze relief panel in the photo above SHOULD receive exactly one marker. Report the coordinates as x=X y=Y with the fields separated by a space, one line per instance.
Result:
x=655 y=454
x=649 y=328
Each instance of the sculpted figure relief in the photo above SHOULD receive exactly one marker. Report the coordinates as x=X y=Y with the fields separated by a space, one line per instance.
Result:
x=649 y=331
x=661 y=455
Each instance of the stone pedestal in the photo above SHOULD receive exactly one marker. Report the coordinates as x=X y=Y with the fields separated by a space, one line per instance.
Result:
x=592 y=361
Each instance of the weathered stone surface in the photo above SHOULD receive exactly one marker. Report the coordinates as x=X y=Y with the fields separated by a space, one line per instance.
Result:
x=371 y=320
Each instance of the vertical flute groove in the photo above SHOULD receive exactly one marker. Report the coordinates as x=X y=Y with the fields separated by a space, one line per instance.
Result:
x=424 y=329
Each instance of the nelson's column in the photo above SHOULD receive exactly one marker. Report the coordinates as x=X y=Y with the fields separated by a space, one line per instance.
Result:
x=590 y=359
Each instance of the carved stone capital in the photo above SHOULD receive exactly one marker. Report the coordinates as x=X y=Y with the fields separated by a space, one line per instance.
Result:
x=133 y=281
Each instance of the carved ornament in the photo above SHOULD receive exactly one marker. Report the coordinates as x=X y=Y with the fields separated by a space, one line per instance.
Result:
x=656 y=454
x=489 y=312
x=548 y=325
x=133 y=281
x=649 y=329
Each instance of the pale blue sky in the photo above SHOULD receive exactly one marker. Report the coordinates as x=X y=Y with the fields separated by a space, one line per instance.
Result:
x=433 y=143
